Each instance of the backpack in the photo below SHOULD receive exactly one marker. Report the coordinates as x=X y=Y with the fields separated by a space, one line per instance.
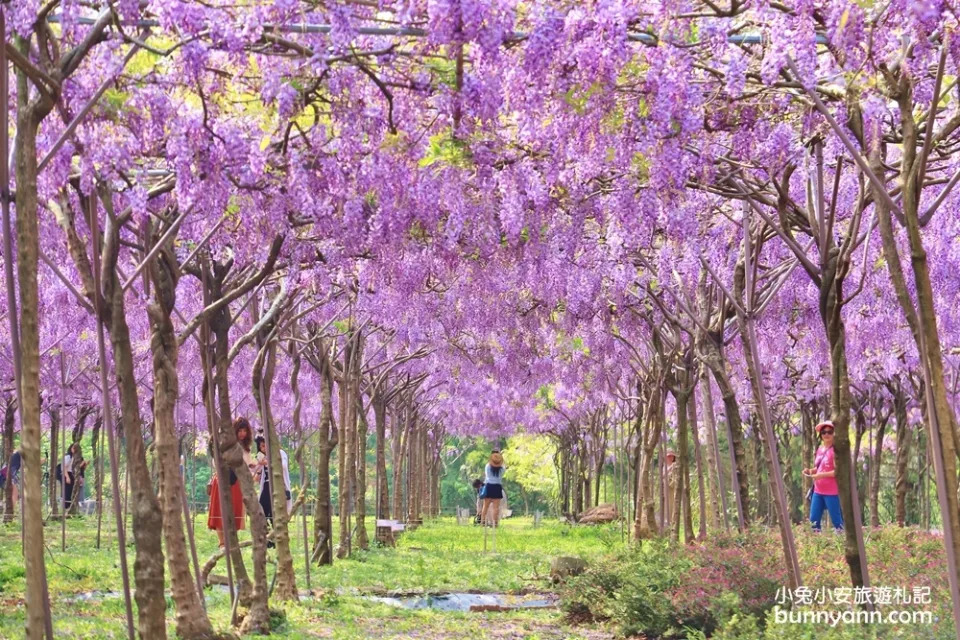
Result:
x=59 y=471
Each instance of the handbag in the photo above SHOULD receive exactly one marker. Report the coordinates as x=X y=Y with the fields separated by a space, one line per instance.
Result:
x=483 y=491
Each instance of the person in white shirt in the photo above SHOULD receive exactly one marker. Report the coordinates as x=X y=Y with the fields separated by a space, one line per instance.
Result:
x=492 y=492
x=264 y=473
x=72 y=474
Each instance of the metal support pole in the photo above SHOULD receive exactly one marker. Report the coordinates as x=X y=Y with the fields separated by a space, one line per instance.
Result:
x=189 y=522
x=63 y=453
x=303 y=514
x=99 y=472
x=755 y=370
x=648 y=39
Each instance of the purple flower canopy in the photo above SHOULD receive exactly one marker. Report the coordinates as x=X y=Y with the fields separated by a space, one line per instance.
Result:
x=526 y=232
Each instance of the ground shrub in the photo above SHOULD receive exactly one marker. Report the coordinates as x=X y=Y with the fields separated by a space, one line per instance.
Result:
x=726 y=587
x=631 y=587
x=745 y=566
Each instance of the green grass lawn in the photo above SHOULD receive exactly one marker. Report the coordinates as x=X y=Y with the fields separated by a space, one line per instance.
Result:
x=439 y=557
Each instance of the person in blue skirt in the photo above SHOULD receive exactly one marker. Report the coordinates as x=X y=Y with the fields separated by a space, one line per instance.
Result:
x=493 y=490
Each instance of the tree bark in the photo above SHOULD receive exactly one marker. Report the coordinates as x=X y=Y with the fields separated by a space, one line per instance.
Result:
x=360 y=502
x=285 y=589
x=831 y=305
x=402 y=426
x=383 y=488
x=348 y=436
x=413 y=472
x=875 y=479
x=807 y=423
x=944 y=427
x=682 y=499
x=649 y=422
x=6 y=450
x=29 y=116
x=52 y=485
x=96 y=443
x=702 y=479
x=147 y=518
x=9 y=421
x=191 y=618
x=903 y=453
x=328 y=439
x=257 y=619
x=713 y=356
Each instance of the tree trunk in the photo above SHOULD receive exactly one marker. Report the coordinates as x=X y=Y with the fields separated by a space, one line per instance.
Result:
x=943 y=426
x=241 y=579
x=29 y=116
x=360 y=496
x=9 y=406
x=648 y=428
x=702 y=481
x=715 y=360
x=383 y=488
x=257 y=619
x=401 y=433
x=285 y=589
x=348 y=436
x=682 y=499
x=564 y=497
x=147 y=518
x=96 y=443
x=435 y=486
x=413 y=473
x=9 y=421
x=52 y=486
x=903 y=454
x=831 y=297
x=875 y=479
x=756 y=466
x=860 y=428
x=809 y=447
x=322 y=514
x=191 y=618
x=713 y=478
x=578 y=487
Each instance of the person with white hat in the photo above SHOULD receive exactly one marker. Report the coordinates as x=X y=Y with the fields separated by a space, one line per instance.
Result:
x=492 y=492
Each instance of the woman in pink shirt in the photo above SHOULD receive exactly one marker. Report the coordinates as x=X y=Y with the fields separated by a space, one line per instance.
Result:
x=823 y=472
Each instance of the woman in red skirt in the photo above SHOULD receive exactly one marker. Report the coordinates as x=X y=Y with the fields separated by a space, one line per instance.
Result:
x=214 y=512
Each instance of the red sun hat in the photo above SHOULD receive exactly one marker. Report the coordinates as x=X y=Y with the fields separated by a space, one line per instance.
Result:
x=825 y=423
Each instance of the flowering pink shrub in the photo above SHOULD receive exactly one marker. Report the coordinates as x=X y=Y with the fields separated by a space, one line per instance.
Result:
x=665 y=590
x=748 y=566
